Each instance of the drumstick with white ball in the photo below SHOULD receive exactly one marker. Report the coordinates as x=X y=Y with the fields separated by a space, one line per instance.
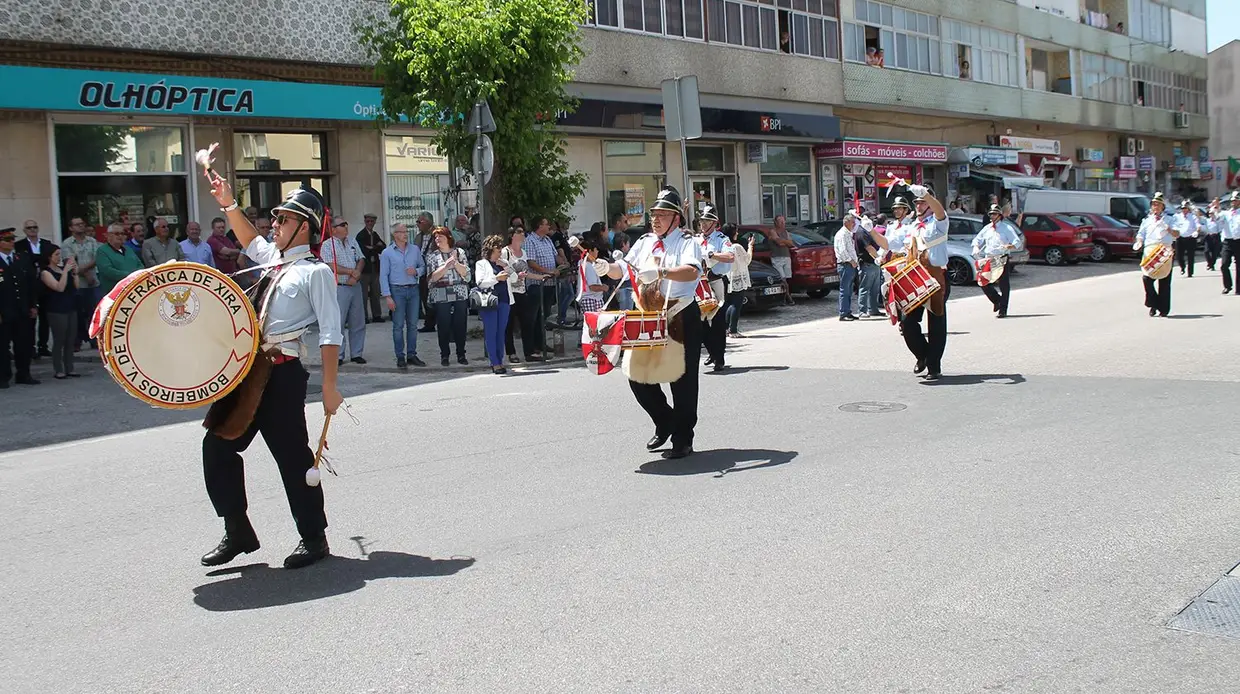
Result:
x=313 y=475
x=205 y=157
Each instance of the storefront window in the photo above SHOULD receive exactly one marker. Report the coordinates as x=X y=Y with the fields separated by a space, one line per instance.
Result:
x=132 y=173
x=271 y=165
x=787 y=179
x=633 y=174
x=418 y=181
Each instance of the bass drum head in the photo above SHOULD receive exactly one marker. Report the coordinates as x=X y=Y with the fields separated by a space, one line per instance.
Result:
x=180 y=336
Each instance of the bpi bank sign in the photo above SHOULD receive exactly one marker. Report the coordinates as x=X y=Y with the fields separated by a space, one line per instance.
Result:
x=882 y=151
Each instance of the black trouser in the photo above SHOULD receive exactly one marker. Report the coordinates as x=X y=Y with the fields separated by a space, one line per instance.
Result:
x=370 y=296
x=17 y=331
x=1213 y=245
x=515 y=316
x=85 y=303
x=282 y=422
x=533 y=323
x=1158 y=299
x=715 y=333
x=929 y=348
x=428 y=311
x=45 y=328
x=1231 y=251
x=450 y=322
x=680 y=419
x=1186 y=253
x=1000 y=290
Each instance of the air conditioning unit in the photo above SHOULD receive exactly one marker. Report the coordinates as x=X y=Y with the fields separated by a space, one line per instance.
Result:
x=1140 y=145
x=1082 y=154
x=1130 y=146
x=1181 y=119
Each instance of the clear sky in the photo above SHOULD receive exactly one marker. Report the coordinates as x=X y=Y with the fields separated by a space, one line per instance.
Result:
x=1222 y=22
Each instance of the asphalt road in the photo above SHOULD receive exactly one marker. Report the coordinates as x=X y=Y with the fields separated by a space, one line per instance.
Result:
x=1030 y=523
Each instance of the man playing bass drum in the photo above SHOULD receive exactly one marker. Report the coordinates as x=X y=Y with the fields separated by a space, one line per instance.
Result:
x=672 y=258
x=296 y=292
x=927 y=228
x=999 y=238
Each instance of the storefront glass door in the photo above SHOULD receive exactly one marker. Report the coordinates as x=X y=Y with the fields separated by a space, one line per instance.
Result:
x=102 y=200
x=788 y=196
x=719 y=191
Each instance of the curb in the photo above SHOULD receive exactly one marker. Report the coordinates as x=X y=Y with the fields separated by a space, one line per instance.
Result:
x=480 y=366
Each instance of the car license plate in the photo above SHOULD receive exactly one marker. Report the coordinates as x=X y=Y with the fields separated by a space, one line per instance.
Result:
x=831 y=278
x=772 y=290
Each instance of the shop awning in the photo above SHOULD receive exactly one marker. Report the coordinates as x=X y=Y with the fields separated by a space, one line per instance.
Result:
x=1009 y=179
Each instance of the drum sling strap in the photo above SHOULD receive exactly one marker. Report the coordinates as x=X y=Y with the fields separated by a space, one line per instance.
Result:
x=230 y=417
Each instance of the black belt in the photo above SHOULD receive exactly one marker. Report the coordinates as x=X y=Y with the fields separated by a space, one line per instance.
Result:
x=712 y=276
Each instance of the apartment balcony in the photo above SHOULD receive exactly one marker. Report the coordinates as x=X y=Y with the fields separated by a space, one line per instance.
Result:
x=904 y=90
x=631 y=59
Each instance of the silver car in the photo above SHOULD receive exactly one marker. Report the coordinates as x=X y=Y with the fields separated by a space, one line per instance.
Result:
x=960 y=233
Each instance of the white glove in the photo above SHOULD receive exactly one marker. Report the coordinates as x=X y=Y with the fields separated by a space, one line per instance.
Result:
x=617 y=256
x=918 y=190
x=648 y=275
x=574 y=241
x=601 y=267
x=867 y=224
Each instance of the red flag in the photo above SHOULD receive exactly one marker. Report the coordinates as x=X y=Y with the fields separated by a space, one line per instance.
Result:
x=1233 y=172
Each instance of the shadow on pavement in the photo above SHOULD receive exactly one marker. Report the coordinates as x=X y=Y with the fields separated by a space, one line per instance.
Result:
x=1028 y=315
x=977 y=379
x=256 y=586
x=1193 y=316
x=744 y=370
x=720 y=462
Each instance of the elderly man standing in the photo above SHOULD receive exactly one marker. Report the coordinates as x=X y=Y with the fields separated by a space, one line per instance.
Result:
x=162 y=247
x=372 y=246
x=82 y=249
x=194 y=249
x=37 y=251
x=402 y=267
x=345 y=258
x=115 y=260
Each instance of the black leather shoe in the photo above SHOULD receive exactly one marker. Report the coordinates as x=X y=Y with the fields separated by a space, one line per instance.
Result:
x=416 y=362
x=401 y=363
x=933 y=376
x=229 y=548
x=462 y=360
x=44 y=352
x=1153 y=312
x=919 y=366
x=678 y=452
x=358 y=360
x=28 y=381
x=656 y=442
x=720 y=367
x=307 y=553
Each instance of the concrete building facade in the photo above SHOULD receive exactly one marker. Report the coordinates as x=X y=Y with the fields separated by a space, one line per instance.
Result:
x=809 y=106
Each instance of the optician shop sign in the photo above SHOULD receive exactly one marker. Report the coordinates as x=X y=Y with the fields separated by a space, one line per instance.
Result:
x=881 y=151
x=54 y=89
x=1030 y=145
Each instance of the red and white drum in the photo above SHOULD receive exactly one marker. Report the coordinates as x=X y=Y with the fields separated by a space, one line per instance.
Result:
x=707 y=303
x=1156 y=261
x=911 y=284
x=645 y=330
x=177 y=335
x=989 y=270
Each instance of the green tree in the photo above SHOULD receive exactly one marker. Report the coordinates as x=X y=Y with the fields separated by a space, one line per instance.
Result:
x=518 y=55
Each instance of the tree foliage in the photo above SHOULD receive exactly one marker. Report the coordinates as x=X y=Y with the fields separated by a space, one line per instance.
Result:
x=437 y=57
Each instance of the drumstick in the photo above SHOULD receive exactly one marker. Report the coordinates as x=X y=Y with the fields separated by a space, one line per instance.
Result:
x=313 y=475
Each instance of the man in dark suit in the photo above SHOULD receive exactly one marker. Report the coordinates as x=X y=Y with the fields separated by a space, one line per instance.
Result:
x=37 y=251
x=17 y=311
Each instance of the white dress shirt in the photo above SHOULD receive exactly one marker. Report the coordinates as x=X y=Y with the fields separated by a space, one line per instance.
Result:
x=927 y=231
x=1208 y=226
x=717 y=242
x=1152 y=233
x=305 y=295
x=1229 y=224
x=992 y=239
x=1186 y=224
x=845 y=246
x=675 y=249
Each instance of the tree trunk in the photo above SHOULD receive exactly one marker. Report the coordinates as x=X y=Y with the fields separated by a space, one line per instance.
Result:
x=495 y=214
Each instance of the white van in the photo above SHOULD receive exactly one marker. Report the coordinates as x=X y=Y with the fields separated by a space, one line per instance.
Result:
x=1127 y=207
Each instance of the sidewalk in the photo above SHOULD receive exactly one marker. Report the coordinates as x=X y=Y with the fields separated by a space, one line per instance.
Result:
x=380 y=358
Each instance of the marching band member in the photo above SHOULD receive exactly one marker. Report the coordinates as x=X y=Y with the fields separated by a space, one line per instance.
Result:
x=999 y=238
x=670 y=256
x=298 y=295
x=1185 y=223
x=899 y=212
x=1208 y=225
x=717 y=250
x=1229 y=229
x=1157 y=229
x=928 y=228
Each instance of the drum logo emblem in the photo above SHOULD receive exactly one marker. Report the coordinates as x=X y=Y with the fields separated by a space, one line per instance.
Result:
x=178 y=306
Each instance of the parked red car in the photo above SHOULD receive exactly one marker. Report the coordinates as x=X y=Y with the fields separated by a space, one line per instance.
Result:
x=1056 y=239
x=814 y=268
x=1112 y=238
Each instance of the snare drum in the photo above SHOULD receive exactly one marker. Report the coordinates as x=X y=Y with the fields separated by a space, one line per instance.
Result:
x=911 y=284
x=706 y=301
x=644 y=330
x=178 y=335
x=989 y=270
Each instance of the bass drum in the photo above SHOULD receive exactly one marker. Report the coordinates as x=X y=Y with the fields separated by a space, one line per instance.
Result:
x=177 y=335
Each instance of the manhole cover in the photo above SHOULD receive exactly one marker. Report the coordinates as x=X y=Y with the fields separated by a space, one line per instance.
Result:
x=1216 y=611
x=873 y=407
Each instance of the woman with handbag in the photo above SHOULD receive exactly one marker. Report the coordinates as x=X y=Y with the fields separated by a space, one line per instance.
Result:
x=513 y=258
x=449 y=294
x=491 y=297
